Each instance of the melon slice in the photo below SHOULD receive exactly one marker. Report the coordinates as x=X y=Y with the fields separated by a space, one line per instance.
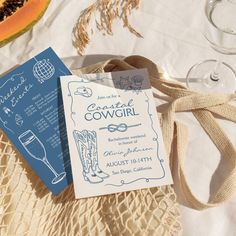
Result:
x=18 y=16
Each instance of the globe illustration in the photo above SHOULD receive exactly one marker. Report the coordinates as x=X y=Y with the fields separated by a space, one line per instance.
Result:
x=43 y=70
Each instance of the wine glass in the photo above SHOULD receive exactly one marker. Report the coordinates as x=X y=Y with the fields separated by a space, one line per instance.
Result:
x=36 y=149
x=220 y=32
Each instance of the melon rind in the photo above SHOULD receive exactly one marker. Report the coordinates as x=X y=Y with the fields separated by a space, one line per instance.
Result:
x=26 y=28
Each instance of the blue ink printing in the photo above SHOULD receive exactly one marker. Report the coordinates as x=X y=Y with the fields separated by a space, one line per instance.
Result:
x=118 y=109
x=121 y=127
x=86 y=142
x=32 y=116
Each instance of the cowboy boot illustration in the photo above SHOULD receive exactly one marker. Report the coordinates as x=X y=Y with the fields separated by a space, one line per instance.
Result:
x=94 y=155
x=81 y=139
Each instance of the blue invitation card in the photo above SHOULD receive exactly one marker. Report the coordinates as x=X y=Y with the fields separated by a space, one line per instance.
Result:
x=114 y=135
x=32 y=116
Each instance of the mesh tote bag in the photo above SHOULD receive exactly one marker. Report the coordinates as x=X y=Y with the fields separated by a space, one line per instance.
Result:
x=28 y=208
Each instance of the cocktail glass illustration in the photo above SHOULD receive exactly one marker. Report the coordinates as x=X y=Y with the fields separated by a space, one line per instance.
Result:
x=36 y=149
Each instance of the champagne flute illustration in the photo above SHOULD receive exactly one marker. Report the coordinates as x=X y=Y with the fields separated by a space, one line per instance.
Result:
x=36 y=149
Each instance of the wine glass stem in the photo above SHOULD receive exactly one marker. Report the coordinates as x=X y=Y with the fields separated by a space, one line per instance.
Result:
x=46 y=162
x=214 y=74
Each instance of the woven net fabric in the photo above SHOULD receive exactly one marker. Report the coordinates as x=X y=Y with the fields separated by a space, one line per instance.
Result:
x=28 y=208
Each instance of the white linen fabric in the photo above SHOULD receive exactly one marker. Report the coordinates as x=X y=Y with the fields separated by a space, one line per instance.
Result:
x=173 y=38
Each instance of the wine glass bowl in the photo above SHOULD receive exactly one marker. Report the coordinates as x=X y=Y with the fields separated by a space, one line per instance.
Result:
x=33 y=145
x=36 y=149
x=220 y=29
x=220 y=32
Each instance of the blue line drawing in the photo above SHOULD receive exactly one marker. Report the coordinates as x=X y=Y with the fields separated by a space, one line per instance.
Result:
x=84 y=92
x=121 y=127
x=43 y=70
x=134 y=83
x=36 y=150
x=7 y=111
x=137 y=81
x=122 y=182
x=12 y=79
x=86 y=143
x=124 y=82
x=155 y=139
x=70 y=94
x=83 y=81
x=71 y=105
x=5 y=125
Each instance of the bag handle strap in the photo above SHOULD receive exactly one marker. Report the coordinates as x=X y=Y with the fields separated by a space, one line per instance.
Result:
x=203 y=106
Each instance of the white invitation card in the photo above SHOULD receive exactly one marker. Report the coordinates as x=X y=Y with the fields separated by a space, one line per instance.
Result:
x=115 y=140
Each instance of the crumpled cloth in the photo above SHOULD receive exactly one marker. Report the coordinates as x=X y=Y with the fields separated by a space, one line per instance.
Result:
x=173 y=38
